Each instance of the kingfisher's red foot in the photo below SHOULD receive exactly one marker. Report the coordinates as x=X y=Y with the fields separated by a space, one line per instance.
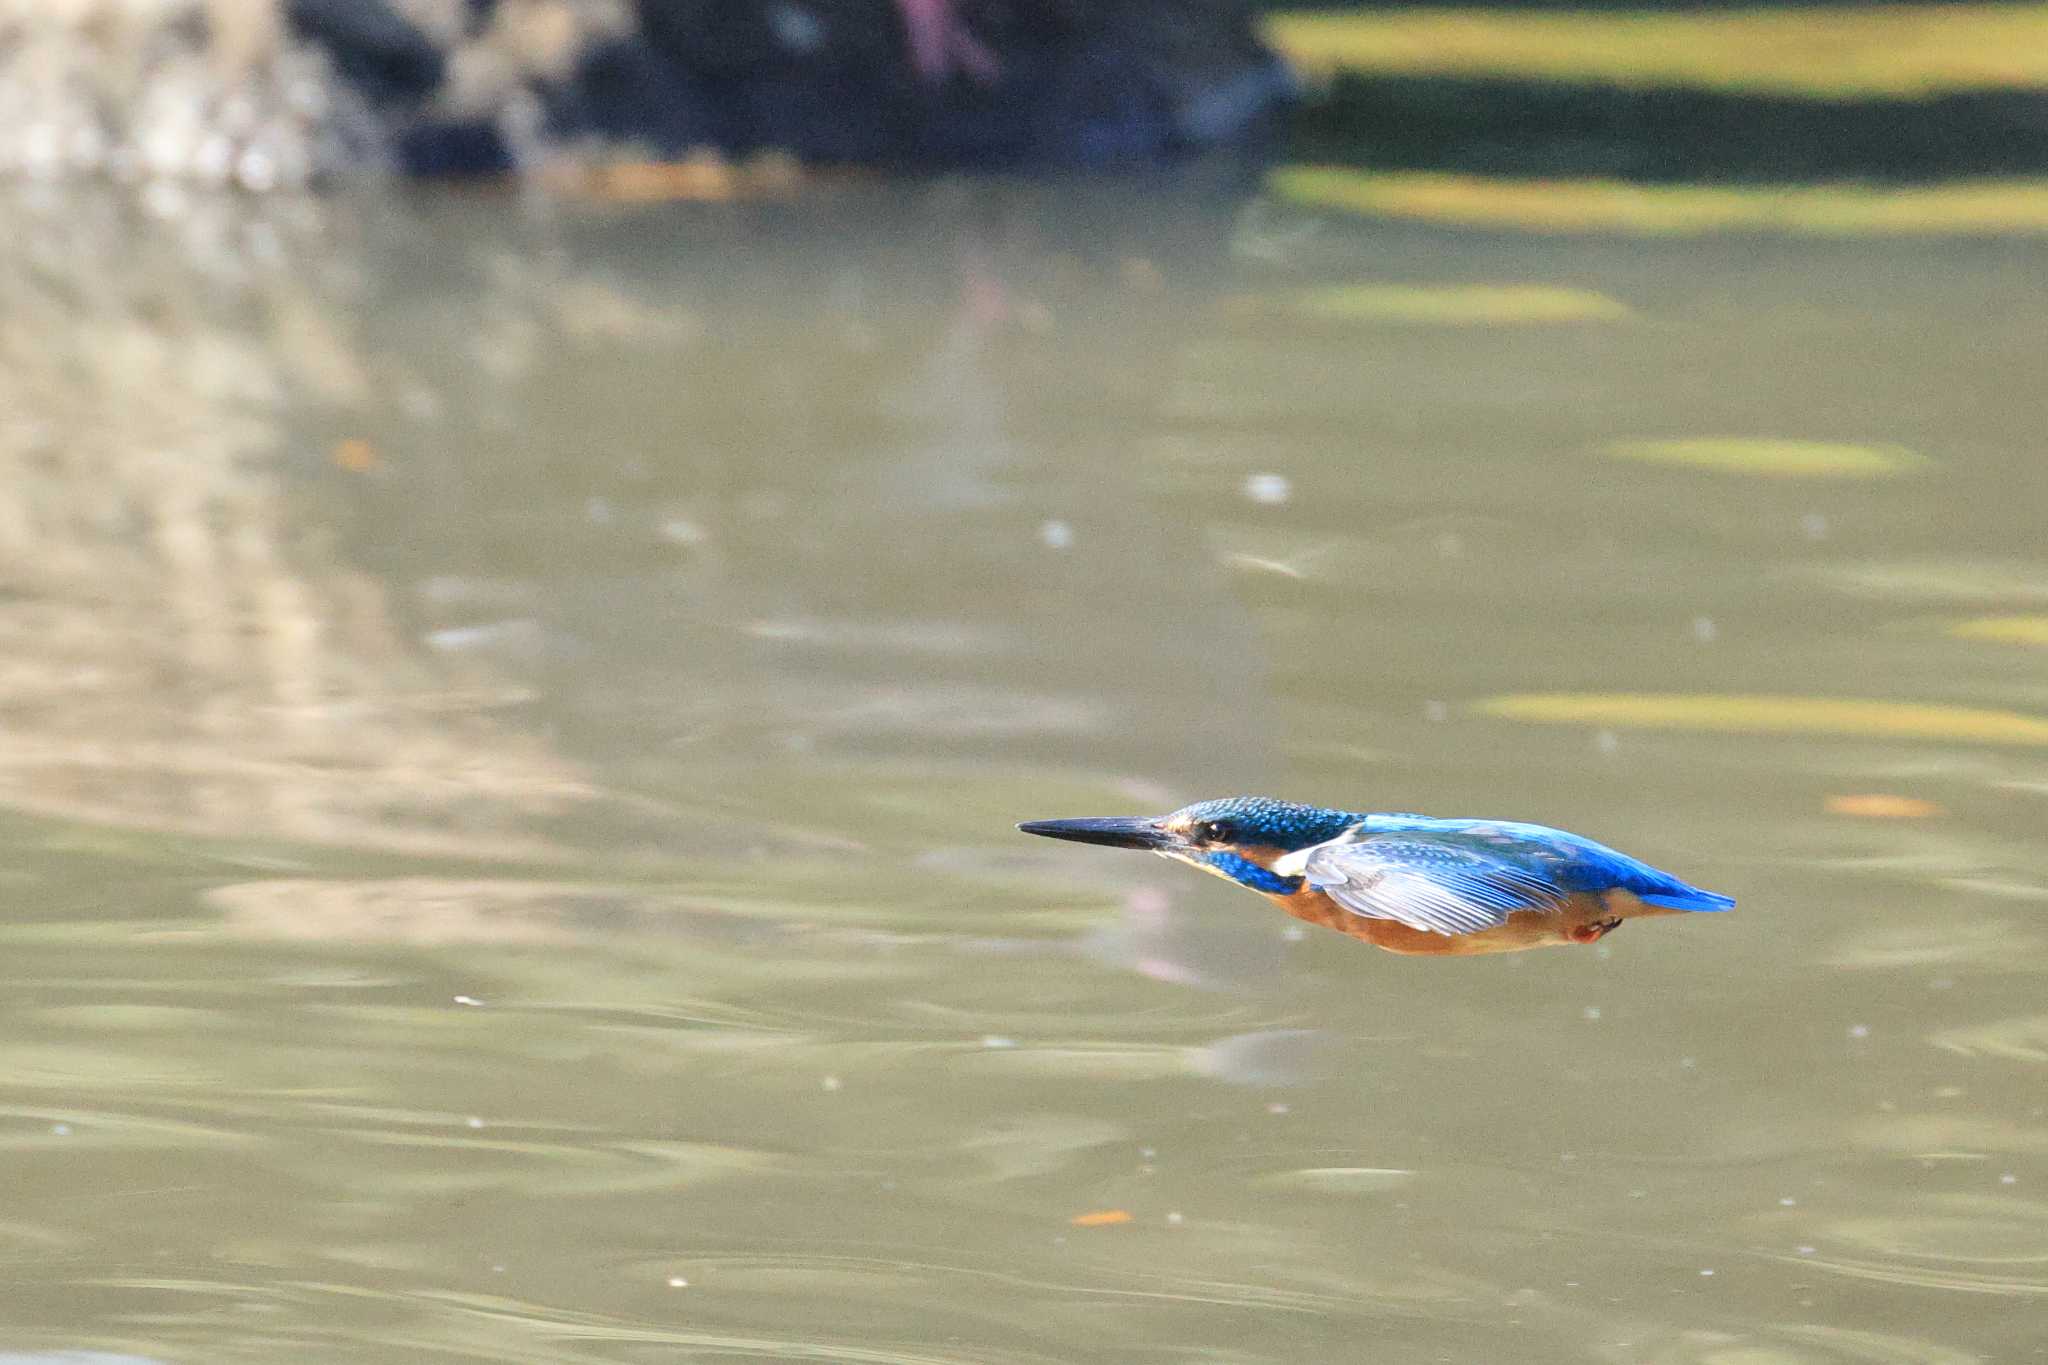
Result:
x=942 y=46
x=1594 y=932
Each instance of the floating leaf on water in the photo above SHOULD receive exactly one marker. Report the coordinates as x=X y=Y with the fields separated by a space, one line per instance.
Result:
x=2005 y=630
x=1100 y=1218
x=1968 y=208
x=1457 y=305
x=355 y=455
x=1771 y=715
x=1881 y=806
x=1773 y=458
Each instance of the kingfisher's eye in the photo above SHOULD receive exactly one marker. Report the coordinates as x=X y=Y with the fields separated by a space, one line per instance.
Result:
x=1213 y=832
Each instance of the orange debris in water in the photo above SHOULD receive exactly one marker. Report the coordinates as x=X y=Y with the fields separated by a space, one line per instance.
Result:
x=704 y=176
x=1881 y=806
x=355 y=455
x=1100 y=1218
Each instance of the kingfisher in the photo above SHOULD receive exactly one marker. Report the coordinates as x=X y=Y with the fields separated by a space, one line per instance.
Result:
x=1407 y=883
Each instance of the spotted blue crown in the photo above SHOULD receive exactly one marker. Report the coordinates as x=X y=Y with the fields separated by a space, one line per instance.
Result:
x=1255 y=821
x=1261 y=821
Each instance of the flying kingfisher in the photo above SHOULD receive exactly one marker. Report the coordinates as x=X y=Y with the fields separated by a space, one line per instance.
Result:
x=1407 y=883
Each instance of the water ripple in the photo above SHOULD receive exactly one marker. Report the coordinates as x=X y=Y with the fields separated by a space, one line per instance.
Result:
x=1789 y=1343
x=2023 y=1039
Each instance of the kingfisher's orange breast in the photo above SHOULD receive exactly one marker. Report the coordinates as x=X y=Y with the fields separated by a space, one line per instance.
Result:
x=1524 y=929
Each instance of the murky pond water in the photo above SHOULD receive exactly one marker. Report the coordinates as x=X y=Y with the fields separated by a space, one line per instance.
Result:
x=511 y=715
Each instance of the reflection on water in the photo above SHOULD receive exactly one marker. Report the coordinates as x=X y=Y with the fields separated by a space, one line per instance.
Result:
x=513 y=715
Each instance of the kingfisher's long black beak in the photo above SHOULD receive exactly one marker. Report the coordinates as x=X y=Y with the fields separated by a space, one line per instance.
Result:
x=1113 y=831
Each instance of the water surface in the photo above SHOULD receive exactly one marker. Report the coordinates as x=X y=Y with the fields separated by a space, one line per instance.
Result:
x=513 y=711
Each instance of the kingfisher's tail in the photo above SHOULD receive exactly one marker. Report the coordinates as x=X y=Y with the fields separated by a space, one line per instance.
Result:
x=1690 y=898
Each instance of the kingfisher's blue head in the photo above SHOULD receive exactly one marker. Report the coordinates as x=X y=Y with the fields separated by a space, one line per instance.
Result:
x=1238 y=837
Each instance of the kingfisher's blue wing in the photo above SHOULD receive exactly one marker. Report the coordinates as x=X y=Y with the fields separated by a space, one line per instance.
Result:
x=1572 y=862
x=1441 y=883
x=1464 y=876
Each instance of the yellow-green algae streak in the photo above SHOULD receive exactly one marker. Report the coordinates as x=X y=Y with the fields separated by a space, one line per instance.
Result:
x=1771 y=715
x=1990 y=207
x=1774 y=457
x=1452 y=305
x=2005 y=630
x=1861 y=53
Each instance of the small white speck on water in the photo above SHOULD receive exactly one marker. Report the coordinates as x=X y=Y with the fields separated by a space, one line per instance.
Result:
x=1591 y=1014
x=1606 y=742
x=997 y=1041
x=1567 y=1157
x=2008 y=1179
x=419 y=403
x=1269 y=490
x=1175 y=1217
x=1704 y=630
x=1804 y=1251
x=469 y=1000
x=61 y=1129
x=1435 y=711
x=1859 y=1030
x=473 y=1122
x=1706 y=1270
x=1688 y=1063
x=678 y=1282
x=1293 y=933
x=1056 y=534
x=497 y=1270
x=1814 y=526
x=831 y=1083
x=1279 y=1109
x=1788 y=1202
x=1147 y=1153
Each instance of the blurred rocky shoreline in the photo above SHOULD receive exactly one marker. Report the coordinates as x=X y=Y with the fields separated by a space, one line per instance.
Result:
x=266 y=94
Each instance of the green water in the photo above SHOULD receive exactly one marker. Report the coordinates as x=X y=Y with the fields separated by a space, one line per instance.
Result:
x=511 y=715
